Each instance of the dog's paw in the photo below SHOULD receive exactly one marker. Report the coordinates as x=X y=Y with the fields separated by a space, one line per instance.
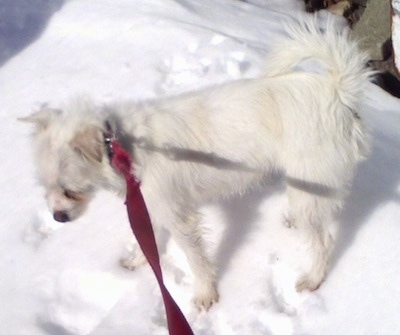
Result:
x=206 y=298
x=289 y=221
x=308 y=283
x=312 y=279
x=131 y=262
x=133 y=256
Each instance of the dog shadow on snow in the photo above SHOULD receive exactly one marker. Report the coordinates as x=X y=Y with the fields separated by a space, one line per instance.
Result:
x=241 y=213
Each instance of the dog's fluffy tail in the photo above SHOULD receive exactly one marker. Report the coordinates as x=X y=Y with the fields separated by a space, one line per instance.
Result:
x=335 y=53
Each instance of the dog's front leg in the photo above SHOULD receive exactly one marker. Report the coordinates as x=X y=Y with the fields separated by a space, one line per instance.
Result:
x=186 y=231
x=183 y=223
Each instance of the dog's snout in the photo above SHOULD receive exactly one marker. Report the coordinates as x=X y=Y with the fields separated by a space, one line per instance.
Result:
x=61 y=216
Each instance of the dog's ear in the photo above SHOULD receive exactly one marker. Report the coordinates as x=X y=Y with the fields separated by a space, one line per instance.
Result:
x=89 y=143
x=42 y=118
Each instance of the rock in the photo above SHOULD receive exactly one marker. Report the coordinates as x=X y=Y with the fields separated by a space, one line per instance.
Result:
x=374 y=28
x=396 y=33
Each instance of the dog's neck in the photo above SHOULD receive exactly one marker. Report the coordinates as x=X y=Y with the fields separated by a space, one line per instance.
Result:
x=108 y=136
x=113 y=130
x=111 y=133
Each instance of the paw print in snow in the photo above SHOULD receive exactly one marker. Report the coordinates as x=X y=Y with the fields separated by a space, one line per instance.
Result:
x=217 y=59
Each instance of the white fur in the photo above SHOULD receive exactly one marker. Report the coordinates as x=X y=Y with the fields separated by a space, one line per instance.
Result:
x=301 y=118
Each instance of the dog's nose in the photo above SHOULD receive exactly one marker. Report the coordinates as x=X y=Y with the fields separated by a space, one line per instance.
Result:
x=61 y=216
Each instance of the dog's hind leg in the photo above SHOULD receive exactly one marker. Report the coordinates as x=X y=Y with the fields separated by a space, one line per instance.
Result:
x=312 y=207
x=309 y=217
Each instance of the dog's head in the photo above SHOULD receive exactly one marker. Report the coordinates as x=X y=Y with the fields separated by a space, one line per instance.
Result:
x=71 y=158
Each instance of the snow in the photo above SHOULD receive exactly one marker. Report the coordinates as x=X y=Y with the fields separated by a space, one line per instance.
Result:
x=65 y=279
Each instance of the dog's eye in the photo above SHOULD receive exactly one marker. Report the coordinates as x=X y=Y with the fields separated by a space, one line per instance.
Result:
x=73 y=195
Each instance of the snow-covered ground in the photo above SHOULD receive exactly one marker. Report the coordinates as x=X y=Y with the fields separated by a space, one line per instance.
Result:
x=65 y=279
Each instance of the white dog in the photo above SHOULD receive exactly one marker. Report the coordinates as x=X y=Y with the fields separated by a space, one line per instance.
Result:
x=300 y=118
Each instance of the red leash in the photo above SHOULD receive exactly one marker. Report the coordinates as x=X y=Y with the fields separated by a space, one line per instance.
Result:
x=141 y=226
